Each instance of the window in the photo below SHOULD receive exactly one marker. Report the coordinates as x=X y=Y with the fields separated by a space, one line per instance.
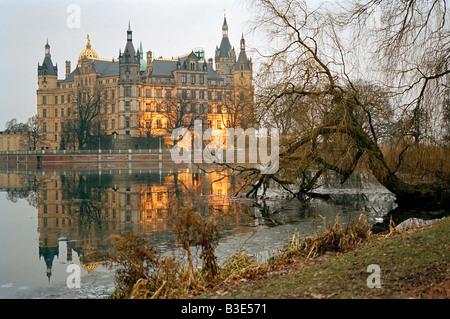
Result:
x=113 y=94
x=106 y=95
x=56 y=138
x=209 y=95
x=68 y=111
x=193 y=94
x=158 y=107
x=127 y=91
x=183 y=78
x=62 y=126
x=147 y=93
x=183 y=94
x=193 y=108
x=62 y=99
x=113 y=108
x=168 y=94
x=201 y=79
x=219 y=96
x=158 y=123
x=106 y=124
x=192 y=78
x=127 y=105
x=44 y=113
x=44 y=100
x=127 y=122
x=201 y=108
x=113 y=124
x=56 y=112
x=201 y=94
x=68 y=98
x=218 y=123
x=158 y=93
x=44 y=127
x=56 y=127
x=56 y=100
x=241 y=96
x=62 y=112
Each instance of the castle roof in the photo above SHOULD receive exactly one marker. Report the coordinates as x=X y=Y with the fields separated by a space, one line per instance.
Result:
x=105 y=68
x=165 y=68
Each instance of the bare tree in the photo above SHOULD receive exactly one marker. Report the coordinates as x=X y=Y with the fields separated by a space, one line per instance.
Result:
x=338 y=126
x=86 y=119
x=410 y=52
x=33 y=131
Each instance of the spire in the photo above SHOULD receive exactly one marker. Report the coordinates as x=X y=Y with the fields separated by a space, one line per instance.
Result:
x=129 y=54
x=225 y=26
x=47 y=49
x=129 y=32
x=242 y=43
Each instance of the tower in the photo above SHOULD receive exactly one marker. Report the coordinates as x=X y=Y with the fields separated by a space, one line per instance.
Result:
x=225 y=56
x=129 y=86
x=243 y=85
x=47 y=73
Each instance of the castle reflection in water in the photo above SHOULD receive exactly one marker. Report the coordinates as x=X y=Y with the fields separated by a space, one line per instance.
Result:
x=83 y=209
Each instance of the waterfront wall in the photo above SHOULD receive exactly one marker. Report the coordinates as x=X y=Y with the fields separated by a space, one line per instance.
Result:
x=102 y=159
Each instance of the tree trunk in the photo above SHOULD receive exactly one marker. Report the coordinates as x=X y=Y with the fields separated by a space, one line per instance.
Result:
x=407 y=195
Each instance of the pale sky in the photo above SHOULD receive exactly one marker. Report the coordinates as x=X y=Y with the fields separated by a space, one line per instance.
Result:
x=168 y=28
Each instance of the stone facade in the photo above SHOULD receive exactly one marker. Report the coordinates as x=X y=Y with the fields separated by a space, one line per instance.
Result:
x=13 y=141
x=142 y=96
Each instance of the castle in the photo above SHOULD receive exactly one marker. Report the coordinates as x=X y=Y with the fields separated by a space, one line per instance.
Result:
x=138 y=96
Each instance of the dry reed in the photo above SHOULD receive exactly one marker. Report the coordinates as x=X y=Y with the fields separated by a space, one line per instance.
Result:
x=154 y=276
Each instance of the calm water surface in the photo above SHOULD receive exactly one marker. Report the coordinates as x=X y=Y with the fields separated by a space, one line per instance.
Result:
x=52 y=219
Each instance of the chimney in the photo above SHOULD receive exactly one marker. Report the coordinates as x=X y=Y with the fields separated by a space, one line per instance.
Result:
x=210 y=62
x=149 y=62
x=67 y=68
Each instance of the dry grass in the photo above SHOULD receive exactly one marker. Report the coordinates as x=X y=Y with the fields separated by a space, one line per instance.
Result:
x=329 y=239
x=419 y=163
x=145 y=274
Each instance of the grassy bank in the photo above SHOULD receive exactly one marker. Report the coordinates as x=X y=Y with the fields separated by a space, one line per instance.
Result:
x=333 y=263
x=414 y=263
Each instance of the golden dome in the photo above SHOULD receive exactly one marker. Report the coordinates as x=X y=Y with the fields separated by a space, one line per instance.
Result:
x=88 y=53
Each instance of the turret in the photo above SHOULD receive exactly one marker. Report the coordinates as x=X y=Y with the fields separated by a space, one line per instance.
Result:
x=149 y=62
x=225 y=55
x=67 y=68
x=47 y=73
x=129 y=78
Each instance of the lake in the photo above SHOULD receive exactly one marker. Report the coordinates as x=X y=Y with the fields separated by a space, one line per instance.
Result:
x=52 y=219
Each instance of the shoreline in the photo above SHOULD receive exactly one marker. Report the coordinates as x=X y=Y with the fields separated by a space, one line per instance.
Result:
x=413 y=264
